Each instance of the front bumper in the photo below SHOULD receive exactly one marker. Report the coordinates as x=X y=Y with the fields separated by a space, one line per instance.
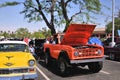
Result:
x=19 y=77
x=87 y=60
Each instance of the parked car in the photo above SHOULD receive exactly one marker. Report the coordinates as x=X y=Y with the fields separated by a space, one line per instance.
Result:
x=74 y=50
x=39 y=48
x=16 y=62
x=113 y=52
x=107 y=41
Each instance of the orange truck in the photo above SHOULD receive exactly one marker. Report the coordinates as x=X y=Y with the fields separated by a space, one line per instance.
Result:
x=74 y=50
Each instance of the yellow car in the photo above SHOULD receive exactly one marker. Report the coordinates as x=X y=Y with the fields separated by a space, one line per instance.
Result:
x=16 y=62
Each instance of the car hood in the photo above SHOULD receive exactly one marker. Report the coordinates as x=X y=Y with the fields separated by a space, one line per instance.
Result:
x=78 y=34
x=14 y=59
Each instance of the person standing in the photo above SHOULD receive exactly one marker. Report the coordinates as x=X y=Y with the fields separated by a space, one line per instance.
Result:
x=32 y=51
x=57 y=38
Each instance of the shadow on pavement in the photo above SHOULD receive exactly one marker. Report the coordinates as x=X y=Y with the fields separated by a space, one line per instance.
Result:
x=73 y=71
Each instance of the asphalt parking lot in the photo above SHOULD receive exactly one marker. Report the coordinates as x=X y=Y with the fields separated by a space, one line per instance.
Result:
x=110 y=71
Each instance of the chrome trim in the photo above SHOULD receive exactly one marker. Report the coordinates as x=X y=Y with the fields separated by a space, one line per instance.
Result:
x=19 y=77
x=19 y=67
x=87 y=60
x=8 y=64
x=15 y=70
x=9 y=57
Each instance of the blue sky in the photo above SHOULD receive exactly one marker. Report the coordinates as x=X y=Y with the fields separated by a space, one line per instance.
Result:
x=11 y=19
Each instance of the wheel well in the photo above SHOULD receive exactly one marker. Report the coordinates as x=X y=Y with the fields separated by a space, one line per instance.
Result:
x=64 y=55
x=47 y=50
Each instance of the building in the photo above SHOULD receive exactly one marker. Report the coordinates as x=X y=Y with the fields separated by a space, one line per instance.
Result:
x=100 y=32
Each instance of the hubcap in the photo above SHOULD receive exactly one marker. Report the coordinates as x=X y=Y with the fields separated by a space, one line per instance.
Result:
x=46 y=59
x=112 y=56
x=62 y=67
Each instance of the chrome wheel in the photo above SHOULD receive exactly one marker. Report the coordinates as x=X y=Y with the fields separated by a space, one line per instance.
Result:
x=62 y=66
x=112 y=56
x=46 y=59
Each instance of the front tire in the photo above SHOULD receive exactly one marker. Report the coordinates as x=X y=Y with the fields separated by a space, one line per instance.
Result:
x=95 y=67
x=62 y=66
x=47 y=59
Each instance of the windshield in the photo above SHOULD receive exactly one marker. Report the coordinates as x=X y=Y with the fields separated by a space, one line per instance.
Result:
x=13 y=47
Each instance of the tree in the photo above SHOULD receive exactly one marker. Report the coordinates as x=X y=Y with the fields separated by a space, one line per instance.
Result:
x=117 y=25
x=5 y=34
x=22 y=33
x=12 y=35
x=37 y=35
x=58 y=12
x=45 y=32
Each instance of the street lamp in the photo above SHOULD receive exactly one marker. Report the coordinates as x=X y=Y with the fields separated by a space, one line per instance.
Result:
x=113 y=6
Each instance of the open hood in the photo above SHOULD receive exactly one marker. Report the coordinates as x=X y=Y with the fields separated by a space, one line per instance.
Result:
x=78 y=34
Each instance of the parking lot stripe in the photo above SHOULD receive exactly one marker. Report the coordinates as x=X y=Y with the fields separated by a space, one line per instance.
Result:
x=104 y=72
x=43 y=74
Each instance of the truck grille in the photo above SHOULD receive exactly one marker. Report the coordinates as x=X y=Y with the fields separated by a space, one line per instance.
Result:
x=10 y=71
x=85 y=53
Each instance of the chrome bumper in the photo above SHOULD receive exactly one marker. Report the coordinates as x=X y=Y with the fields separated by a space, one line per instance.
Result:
x=19 y=77
x=87 y=60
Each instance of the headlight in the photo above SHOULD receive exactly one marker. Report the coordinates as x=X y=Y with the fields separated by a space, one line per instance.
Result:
x=31 y=63
x=99 y=51
x=76 y=53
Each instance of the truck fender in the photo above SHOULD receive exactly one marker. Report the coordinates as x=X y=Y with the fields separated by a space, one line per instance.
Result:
x=64 y=55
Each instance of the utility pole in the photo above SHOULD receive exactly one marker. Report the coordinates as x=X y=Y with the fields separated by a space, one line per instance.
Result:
x=113 y=26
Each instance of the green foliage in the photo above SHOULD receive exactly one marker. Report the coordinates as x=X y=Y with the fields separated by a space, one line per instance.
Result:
x=45 y=32
x=57 y=13
x=30 y=12
x=9 y=4
x=37 y=35
x=5 y=34
x=22 y=33
x=87 y=8
x=116 y=26
x=92 y=5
